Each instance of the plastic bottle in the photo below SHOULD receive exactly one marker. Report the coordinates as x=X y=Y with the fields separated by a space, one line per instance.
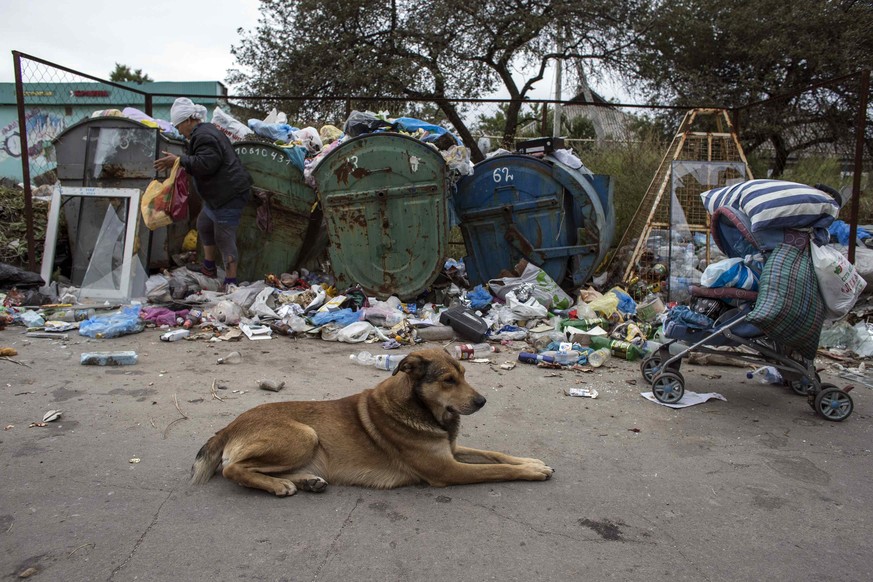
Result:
x=765 y=375
x=598 y=357
x=530 y=358
x=470 y=351
x=127 y=358
x=618 y=348
x=380 y=361
x=231 y=358
x=194 y=317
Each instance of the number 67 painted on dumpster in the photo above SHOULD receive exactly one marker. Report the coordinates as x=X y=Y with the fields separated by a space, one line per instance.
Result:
x=501 y=175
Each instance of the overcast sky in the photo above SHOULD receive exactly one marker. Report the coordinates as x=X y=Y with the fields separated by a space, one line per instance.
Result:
x=170 y=40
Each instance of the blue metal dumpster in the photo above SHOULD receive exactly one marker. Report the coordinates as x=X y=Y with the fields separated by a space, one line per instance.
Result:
x=385 y=204
x=517 y=206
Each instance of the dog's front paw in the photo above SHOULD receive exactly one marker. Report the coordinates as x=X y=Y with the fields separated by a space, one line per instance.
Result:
x=540 y=472
x=284 y=488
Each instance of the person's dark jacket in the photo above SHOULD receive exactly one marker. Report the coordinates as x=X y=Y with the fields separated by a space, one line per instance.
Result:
x=218 y=173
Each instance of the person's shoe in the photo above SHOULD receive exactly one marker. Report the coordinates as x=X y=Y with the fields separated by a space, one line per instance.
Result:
x=201 y=268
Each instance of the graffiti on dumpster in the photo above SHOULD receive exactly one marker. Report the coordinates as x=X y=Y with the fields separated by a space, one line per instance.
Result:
x=42 y=128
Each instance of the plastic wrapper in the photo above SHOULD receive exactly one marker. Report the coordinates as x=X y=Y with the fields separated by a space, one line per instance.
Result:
x=341 y=317
x=530 y=309
x=546 y=291
x=838 y=280
x=226 y=312
x=234 y=129
x=127 y=321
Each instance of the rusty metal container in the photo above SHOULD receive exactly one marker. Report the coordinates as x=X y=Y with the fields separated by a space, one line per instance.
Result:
x=385 y=203
x=281 y=224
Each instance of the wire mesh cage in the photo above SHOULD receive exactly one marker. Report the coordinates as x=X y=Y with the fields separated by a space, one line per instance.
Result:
x=667 y=244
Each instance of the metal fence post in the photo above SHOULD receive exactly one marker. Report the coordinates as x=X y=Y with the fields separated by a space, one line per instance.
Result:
x=860 y=129
x=25 y=161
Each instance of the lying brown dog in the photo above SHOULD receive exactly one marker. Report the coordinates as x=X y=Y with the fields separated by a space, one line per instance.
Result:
x=401 y=432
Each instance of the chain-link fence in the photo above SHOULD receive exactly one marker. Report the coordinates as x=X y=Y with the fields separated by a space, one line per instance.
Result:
x=51 y=98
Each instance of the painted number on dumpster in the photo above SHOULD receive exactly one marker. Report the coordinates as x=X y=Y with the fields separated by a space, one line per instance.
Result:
x=502 y=175
x=264 y=153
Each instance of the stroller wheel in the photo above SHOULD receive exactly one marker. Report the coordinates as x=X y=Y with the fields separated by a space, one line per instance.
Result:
x=833 y=404
x=800 y=387
x=650 y=367
x=668 y=387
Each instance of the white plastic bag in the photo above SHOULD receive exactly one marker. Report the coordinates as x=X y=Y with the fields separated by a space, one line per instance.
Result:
x=546 y=291
x=356 y=332
x=227 y=312
x=233 y=128
x=263 y=304
x=530 y=309
x=838 y=280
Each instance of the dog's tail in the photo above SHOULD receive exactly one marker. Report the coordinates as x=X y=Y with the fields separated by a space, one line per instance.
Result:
x=207 y=461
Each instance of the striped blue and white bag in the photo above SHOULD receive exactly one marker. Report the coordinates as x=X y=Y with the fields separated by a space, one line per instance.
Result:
x=775 y=204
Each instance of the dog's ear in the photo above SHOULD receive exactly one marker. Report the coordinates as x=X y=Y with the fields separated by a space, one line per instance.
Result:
x=413 y=366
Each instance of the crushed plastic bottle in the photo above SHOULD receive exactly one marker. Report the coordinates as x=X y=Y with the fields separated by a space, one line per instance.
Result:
x=765 y=375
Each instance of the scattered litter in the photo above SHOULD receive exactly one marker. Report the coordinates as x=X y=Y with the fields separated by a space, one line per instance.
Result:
x=271 y=385
x=134 y=461
x=231 y=358
x=256 y=332
x=582 y=392
x=9 y=427
x=51 y=415
x=480 y=361
x=633 y=429
x=52 y=328
x=507 y=365
x=37 y=424
x=126 y=358
x=28 y=573
x=175 y=335
x=8 y=352
x=688 y=399
x=47 y=335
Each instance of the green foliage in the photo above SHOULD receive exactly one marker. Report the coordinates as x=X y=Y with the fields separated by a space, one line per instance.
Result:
x=633 y=166
x=424 y=51
x=716 y=53
x=123 y=73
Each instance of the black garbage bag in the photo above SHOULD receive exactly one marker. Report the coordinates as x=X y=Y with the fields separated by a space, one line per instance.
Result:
x=11 y=276
x=360 y=123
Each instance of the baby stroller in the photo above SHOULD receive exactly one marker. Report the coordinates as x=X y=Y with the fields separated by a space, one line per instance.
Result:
x=781 y=322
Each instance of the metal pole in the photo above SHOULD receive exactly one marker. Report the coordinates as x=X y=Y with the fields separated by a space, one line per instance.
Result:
x=860 y=128
x=148 y=105
x=25 y=162
x=559 y=65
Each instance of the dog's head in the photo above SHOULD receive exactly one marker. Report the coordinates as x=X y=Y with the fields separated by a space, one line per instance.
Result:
x=438 y=382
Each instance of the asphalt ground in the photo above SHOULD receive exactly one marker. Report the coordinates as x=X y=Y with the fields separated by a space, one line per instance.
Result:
x=754 y=488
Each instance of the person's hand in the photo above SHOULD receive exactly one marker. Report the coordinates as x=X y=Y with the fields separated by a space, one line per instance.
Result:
x=165 y=163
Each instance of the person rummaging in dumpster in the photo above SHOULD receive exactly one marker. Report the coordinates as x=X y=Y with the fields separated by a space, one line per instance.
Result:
x=222 y=181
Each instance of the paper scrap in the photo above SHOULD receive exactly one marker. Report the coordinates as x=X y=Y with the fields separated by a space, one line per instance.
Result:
x=688 y=399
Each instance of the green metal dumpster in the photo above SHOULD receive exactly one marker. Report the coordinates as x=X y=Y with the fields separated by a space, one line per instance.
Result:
x=282 y=220
x=385 y=203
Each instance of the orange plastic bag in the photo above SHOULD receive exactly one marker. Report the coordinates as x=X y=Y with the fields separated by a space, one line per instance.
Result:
x=157 y=201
